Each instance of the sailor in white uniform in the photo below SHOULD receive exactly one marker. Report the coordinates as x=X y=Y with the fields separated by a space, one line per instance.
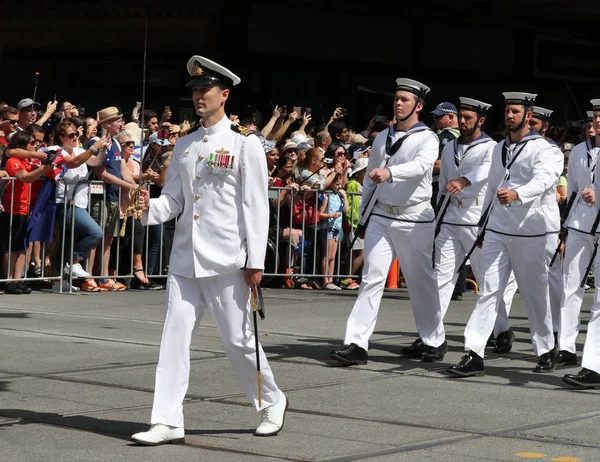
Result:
x=464 y=174
x=540 y=122
x=401 y=224
x=589 y=375
x=217 y=186
x=515 y=237
x=579 y=245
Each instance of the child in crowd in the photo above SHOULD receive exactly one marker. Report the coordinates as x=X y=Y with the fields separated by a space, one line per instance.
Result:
x=331 y=209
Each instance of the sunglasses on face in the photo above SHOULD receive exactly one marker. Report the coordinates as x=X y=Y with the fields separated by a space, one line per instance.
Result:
x=73 y=136
x=13 y=122
x=129 y=143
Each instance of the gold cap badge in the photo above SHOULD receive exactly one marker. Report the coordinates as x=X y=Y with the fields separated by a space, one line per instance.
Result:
x=197 y=70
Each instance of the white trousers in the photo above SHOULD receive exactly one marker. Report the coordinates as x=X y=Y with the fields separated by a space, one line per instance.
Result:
x=578 y=251
x=228 y=298
x=412 y=244
x=555 y=287
x=591 y=349
x=452 y=245
x=526 y=256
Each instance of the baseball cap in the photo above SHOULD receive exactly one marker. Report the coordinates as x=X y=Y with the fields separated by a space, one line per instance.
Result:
x=444 y=108
x=26 y=102
x=356 y=149
x=158 y=137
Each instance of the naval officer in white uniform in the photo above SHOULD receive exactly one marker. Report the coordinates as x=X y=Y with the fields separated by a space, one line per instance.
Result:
x=217 y=186
x=578 y=249
x=540 y=122
x=515 y=237
x=589 y=375
x=401 y=225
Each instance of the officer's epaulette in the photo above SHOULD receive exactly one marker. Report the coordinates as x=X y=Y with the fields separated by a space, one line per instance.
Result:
x=241 y=130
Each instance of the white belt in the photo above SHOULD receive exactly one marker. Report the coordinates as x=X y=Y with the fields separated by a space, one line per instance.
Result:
x=467 y=201
x=403 y=209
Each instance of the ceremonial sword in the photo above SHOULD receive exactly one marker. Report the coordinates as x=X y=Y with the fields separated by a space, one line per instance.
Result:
x=258 y=305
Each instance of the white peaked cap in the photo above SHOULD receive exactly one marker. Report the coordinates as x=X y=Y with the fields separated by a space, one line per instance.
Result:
x=412 y=86
x=518 y=97
x=541 y=112
x=595 y=104
x=471 y=104
x=203 y=71
x=590 y=115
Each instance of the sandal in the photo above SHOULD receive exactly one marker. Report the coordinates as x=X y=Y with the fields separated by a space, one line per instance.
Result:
x=137 y=283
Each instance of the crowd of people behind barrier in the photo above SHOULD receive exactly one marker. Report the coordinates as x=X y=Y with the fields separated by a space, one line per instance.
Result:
x=66 y=181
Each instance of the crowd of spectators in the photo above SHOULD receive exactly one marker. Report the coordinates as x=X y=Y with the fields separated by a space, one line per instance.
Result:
x=316 y=171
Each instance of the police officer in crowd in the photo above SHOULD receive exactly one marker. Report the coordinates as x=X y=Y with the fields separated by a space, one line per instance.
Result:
x=217 y=186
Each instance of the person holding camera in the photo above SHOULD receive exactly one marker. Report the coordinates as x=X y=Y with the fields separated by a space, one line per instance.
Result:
x=16 y=203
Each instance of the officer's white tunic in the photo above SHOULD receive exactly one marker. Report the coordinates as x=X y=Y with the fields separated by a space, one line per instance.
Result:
x=555 y=274
x=515 y=239
x=578 y=249
x=222 y=227
x=458 y=230
x=407 y=235
x=591 y=349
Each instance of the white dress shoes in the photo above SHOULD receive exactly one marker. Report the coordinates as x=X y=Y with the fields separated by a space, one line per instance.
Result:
x=271 y=421
x=160 y=434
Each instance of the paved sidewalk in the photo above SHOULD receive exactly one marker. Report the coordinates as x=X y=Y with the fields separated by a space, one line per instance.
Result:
x=77 y=374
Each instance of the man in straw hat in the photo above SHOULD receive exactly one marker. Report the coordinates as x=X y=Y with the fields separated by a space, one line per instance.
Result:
x=116 y=177
x=217 y=186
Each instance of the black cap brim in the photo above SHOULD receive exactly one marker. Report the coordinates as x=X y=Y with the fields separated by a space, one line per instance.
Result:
x=209 y=80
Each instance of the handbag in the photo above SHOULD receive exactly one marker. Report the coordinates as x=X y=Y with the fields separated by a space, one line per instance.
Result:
x=306 y=210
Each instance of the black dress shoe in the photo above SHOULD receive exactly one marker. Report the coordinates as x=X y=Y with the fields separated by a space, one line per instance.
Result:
x=351 y=355
x=491 y=341
x=566 y=358
x=435 y=353
x=547 y=361
x=585 y=378
x=416 y=350
x=504 y=342
x=456 y=297
x=470 y=365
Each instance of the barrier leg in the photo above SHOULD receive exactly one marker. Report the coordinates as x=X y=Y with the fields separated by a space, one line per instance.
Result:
x=392 y=279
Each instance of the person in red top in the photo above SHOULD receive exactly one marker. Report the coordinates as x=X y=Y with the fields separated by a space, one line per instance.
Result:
x=16 y=203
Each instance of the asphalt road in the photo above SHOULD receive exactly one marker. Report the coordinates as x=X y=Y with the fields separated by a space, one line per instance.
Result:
x=77 y=375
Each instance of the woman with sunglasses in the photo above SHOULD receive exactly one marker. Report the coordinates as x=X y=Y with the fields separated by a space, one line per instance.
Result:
x=74 y=186
x=17 y=203
x=134 y=231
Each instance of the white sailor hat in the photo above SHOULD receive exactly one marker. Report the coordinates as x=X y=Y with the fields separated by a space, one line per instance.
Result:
x=541 y=113
x=590 y=116
x=206 y=72
x=595 y=104
x=520 y=98
x=412 y=86
x=471 y=104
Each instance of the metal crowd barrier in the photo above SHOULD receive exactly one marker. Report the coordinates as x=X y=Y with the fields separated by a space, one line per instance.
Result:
x=281 y=254
x=284 y=259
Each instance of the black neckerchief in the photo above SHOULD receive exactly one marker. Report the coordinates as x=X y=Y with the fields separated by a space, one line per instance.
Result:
x=391 y=149
x=532 y=135
x=590 y=145
x=483 y=138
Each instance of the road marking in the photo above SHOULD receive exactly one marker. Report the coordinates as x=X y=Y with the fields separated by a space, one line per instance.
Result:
x=566 y=459
x=530 y=455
